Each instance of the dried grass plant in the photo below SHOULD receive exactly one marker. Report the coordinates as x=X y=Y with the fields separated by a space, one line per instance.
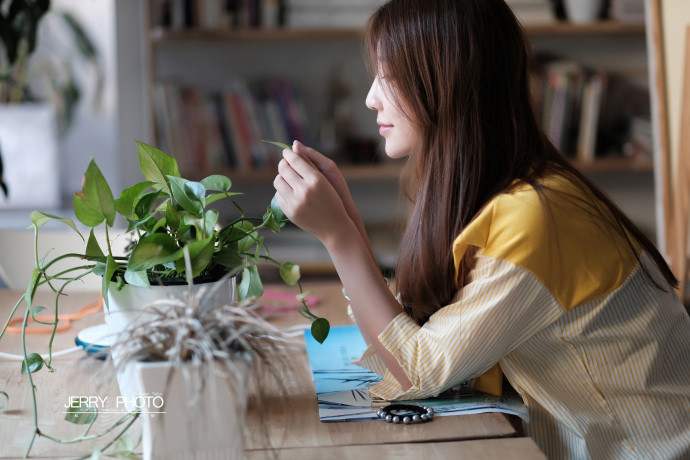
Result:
x=202 y=341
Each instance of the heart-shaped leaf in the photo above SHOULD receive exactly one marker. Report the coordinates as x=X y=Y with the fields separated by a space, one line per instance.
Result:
x=35 y=363
x=320 y=328
x=250 y=286
x=81 y=414
x=129 y=199
x=139 y=278
x=40 y=218
x=217 y=183
x=190 y=195
x=156 y=165
x=152 y=250
x=290 y=273
x=93 y=250
x=95 y=202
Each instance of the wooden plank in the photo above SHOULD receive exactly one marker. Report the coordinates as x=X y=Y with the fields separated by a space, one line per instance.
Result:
x=494 y=449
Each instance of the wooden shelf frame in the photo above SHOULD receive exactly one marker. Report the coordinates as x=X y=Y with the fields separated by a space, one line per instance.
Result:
x=160 y=37
x=391 y=171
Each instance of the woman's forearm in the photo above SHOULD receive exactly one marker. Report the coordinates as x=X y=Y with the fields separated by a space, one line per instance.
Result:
x=373 y=305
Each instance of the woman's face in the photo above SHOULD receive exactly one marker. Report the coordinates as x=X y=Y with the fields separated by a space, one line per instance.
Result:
x=402 y=137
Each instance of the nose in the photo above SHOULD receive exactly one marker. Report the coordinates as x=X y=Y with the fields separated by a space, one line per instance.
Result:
x=372 y=101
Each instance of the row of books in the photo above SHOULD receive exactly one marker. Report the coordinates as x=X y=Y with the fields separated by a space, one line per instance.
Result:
x=217 y=14
x=208 y=130
x=587 y=113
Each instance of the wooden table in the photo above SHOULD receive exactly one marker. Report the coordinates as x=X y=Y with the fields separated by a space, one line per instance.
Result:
x=296 y=432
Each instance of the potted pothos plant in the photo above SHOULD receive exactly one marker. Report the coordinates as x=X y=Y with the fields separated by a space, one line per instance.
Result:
x=168 y=218
x=201 y=381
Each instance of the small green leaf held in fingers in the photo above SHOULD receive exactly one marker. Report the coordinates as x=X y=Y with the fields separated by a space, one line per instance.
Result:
x=279 y=144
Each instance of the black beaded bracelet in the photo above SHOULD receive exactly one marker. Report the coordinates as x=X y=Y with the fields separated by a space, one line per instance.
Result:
x=405 y=413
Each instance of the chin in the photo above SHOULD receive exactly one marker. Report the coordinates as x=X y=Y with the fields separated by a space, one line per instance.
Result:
x=396 y=153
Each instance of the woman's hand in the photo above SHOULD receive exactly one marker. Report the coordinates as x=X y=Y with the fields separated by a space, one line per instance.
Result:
x=330 y=171
x=308 y=199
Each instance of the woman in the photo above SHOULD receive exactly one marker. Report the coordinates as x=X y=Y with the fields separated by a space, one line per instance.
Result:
x=510 y=255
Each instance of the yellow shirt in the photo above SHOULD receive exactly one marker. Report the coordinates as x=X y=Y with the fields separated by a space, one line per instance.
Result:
x=599 y=354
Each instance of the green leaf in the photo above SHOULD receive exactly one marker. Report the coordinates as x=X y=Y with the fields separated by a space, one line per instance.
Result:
x=129 y=199
x=236 y=232
x=172 y=216
x=290 y=273
x=217 y=183
x=31 y=288
x=212 y=198
x=81 y=414
x=93 y=250
x=200 y=254
x=36 y=310
x=319 y=329
x=279 y=144
x=111 y=266
x=156 y=165
x=39 y=218
x=278 y=213
x=143 y=207
x=228 y=257
x=125 y=446
x=99 y=269
x=210 y=221
x=160 y=223
x=152 y=250
x=35 y=363
x=250 y=286
x=139 y=278
x=302 y=295
x=190 y=195
x=95 y=202
x=7 y=399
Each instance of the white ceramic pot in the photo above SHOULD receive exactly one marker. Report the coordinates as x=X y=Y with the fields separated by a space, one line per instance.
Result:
x=128 y=306
x=176 y=427
x=580 y=11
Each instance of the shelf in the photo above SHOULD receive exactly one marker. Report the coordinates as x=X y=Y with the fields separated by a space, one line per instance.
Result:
x=614 y=164
x=594 y=28
x=561 y=28
x=350 y=172
x=391 y=171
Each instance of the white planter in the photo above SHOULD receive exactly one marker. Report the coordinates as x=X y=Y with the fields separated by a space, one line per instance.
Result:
x=582 y=10
x=127 y=307
x=174 y=427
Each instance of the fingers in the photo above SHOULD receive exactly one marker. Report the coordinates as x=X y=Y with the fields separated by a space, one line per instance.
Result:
x=289 y=174
x=281 y=186
x=303 y=167
x=324 y=164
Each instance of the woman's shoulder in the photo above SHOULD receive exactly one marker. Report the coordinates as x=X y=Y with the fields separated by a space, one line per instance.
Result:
x=557 y=230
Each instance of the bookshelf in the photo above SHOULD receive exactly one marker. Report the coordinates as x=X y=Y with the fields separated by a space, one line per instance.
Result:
x=560 y=29
x=162 y=42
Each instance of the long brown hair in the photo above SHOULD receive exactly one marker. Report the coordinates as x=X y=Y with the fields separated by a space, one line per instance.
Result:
x=461 y=68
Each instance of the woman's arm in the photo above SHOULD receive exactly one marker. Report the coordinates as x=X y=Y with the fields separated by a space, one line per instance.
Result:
x=310 y=201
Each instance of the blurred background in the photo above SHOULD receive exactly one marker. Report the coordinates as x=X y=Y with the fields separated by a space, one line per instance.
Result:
x=207 y=80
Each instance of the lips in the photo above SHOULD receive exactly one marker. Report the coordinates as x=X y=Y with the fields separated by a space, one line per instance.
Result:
x=384 y=128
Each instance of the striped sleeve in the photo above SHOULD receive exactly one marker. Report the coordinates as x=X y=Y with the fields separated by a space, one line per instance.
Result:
x=501 y=307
